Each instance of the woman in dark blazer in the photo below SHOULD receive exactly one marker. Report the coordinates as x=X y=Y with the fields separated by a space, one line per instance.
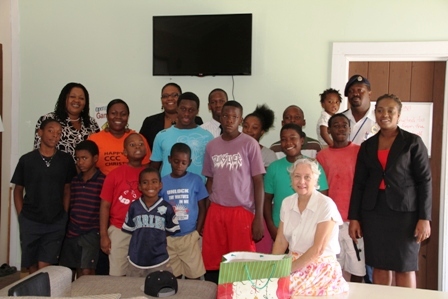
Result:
x=391 y=198
x=155 y=123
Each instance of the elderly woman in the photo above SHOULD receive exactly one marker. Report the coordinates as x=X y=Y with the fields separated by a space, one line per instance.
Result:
x=309 y=229
x=391 y=197
x=110 y=141
x=155 y=123
x=72 y=112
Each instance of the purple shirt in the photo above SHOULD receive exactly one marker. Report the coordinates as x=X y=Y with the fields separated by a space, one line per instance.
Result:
x=232 y=164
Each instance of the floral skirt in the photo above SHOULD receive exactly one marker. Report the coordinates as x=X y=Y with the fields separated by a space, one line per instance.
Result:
x=322 y=277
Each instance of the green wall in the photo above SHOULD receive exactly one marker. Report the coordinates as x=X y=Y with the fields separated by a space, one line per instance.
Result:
x=107 y=46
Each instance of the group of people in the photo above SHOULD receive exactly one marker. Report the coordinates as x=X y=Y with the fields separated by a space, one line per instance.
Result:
x=359 y=196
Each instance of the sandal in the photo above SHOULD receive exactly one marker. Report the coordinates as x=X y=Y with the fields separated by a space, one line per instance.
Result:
x=6 y=269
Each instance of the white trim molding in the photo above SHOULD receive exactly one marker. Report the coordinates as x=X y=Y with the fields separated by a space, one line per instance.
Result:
x=344 y=53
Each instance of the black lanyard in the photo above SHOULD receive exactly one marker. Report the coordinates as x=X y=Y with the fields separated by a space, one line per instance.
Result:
x=359 y=128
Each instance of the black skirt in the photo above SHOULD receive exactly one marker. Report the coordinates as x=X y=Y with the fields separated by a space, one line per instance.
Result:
x=389 y=240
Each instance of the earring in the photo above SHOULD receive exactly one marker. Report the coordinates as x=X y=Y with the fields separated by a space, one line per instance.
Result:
x=161 y=108
x=127 y=126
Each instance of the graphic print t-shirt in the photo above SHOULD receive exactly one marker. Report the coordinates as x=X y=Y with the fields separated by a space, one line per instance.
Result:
x=183 y=194
x=232 y=164
x=196 y=138
x=120 y=188
x=149 y=227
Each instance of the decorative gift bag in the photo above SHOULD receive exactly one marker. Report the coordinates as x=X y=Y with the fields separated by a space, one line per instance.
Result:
x=251 y=275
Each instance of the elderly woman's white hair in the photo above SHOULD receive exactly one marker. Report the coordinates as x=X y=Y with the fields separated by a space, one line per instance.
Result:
x=307 y=161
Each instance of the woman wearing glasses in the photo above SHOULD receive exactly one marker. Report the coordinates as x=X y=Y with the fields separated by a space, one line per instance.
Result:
x=155 y=123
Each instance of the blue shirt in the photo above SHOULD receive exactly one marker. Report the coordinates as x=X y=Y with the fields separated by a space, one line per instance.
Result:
x=149 y=227
x=184 y=194
x=196 y=138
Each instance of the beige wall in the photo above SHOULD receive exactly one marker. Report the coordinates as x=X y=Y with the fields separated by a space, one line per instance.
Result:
x=106 y=45
x=7 y=7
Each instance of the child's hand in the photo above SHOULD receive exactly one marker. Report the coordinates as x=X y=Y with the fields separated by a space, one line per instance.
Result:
x=105 y=244
x=257 y=229
x=273 y=231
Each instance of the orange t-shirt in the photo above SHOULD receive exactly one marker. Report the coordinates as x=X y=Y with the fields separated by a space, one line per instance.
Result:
x=382 y=157
x=111 y=150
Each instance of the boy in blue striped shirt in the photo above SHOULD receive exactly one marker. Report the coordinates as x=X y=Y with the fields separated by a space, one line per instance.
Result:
x=82 y=242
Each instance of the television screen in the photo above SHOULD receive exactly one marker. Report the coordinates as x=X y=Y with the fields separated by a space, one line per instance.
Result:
x=202 y=45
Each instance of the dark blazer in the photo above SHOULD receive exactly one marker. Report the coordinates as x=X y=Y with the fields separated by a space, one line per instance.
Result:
x=407 y=177
x=154 y=124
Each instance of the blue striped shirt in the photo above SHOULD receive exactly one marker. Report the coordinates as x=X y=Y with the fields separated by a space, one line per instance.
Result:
x=85 y=204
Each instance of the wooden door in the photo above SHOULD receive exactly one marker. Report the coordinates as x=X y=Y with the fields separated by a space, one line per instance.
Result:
x=416 y=82
x=1 y=108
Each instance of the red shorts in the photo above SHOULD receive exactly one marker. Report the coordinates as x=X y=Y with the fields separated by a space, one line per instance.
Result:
x=226 y=229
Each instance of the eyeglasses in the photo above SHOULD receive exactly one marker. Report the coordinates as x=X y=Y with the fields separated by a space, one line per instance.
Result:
x=172 y=95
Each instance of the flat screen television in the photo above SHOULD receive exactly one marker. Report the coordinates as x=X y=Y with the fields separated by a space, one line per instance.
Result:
x=202 y=45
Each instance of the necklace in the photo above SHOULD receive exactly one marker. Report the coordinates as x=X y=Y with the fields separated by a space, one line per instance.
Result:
x=173 y=121
x=73 y=120
x=47 y=162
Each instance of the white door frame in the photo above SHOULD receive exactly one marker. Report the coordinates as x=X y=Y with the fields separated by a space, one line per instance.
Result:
x=344 y=53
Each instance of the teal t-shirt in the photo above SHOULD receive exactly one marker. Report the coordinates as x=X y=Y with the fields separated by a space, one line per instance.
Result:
x=277 y=181
x=196 y=138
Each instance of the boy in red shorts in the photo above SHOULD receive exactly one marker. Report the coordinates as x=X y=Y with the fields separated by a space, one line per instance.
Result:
x=234 y=170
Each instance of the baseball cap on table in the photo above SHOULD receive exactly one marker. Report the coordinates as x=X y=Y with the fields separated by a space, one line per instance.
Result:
x=160 y=284
x=355 y=79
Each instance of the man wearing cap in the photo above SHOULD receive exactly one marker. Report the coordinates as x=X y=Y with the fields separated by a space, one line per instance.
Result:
x=294 y=114
x=362 y=122
x=361 y=114
x=216 y=99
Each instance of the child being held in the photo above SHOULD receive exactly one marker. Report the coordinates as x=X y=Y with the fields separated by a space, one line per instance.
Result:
x=330 y=101
x=149 y=219
x=81 y=246
x=185 y=191
x=41 y=197
x=120 y=189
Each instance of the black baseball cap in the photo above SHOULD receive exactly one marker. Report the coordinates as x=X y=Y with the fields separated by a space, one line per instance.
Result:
x=160 y=284
x=355 y=79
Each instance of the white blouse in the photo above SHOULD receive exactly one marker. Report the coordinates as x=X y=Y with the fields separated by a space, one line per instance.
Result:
x=299 y=228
